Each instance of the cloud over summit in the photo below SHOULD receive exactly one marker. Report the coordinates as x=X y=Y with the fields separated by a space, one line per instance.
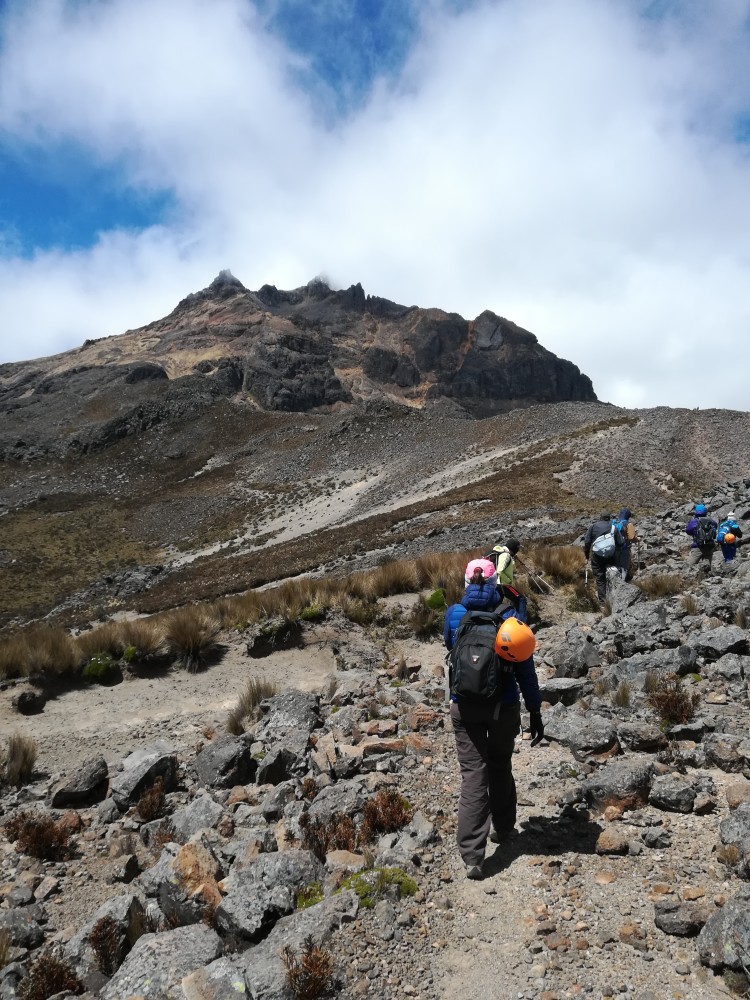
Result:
x=577 y=168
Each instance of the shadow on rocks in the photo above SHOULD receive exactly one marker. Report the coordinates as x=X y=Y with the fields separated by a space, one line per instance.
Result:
x=542 y=835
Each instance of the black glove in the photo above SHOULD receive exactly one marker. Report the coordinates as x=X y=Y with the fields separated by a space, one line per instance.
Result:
x=536 y=727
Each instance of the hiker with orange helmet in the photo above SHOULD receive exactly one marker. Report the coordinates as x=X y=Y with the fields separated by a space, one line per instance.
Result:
x=728 y=535
x=491 y=658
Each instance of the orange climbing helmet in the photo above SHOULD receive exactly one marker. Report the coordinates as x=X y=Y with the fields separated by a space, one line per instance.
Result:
x=730 y=538
x=514 y=641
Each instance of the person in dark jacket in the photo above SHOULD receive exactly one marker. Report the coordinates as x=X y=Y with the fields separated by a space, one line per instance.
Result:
x=602 y=532
x=623 y=522
x=485 y=732
x=702 y=529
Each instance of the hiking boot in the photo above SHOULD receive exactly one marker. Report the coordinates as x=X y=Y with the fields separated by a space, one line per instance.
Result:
x=502 y=836
x=474 y=871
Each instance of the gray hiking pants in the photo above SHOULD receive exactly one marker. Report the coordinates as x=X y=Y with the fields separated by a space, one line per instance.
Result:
x=599 y=568
x=485 y=734
x=702 y=554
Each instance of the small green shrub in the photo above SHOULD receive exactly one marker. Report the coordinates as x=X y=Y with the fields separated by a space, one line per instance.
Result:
x=309 y=895
x=130 y=654
x=313 y=613
x=436 y=600
x=100 y=669
x=372 y=884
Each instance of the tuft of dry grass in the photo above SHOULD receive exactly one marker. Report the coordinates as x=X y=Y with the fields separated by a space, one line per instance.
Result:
x=48 y=976
x=256 y=690
x=385 y=812
x=740 y=618
x=425 y=621
x=321 y=836
x=651 y=682
x=690 y=604
x=151 y=802
x=561 y=563
x=52 y=653
x=661 y=585
x=19 y=759
x=673 y=703
x=583 y=598
x=4 y=946
x=622 y=694
x=190 y=635
x=311 y=975
x=37 y=834
x=358 y=611
x=106 y=942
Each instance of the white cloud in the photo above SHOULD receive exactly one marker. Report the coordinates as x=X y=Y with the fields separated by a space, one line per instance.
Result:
x=569 y=166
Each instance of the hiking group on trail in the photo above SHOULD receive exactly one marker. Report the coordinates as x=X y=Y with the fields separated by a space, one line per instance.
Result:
x=707 y=533
x=490 y=655
x=607 y=543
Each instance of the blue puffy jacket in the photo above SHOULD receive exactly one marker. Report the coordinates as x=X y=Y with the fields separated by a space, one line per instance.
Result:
x=524 y=673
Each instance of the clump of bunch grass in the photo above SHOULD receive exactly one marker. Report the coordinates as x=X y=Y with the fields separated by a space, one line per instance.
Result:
x=106 y=940
x=190 y=635
x=311 y=975
x=582 y=598
x=18 y=759
x=48 y=976
x=37 y=834
x=256 y=690
x=385 y=812
x=673 y=703
x=359 y=611
x=661 y=584
x=651 y=682
x=561 y=563
x=622 y=695
x=320 y=836
x=425 y=621
x=740 y=618
x=690 y=604
x=4 y=946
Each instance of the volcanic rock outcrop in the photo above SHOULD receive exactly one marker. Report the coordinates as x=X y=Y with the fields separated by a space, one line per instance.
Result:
x=312 y=348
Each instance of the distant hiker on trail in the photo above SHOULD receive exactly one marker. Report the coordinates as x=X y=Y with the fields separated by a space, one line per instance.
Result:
x=502 y=558
x=489 y=660
x=728 y=535
x=626 y=528
x=703 y=530
x=602 y=544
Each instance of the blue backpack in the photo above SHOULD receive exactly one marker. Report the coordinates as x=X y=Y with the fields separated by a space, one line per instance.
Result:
x=724 y=529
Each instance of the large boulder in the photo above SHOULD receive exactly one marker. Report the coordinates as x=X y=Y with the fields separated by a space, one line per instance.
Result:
x=189 y=892
x=140 y=770
x=125 y=915
x=622 y=783
x=642 y=737
x=22 y=924
x=157 y=964
x=673 y=793
x=264 y=972
x=202 y=813
x=257 y=894
x=735 y=831
x=724 y=942
x=575 y=656
x=288 y=719
x=584 y=735
x=221 y=980
x=718 y=642
x=565 y=690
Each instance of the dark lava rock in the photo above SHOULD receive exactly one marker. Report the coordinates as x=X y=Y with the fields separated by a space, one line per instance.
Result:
x=88 y=785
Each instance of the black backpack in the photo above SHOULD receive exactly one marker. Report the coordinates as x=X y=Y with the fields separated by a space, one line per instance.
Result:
x=705 y=531
x=476 y=671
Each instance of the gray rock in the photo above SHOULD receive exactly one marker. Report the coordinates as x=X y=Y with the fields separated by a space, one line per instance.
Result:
x=656 y=838
x=128 y=915
x=673 y=793
x=724 y=942
x=22 y=924
x=29 y=702
x=727 y=752
x=343 y=797
x=288 y=720
x=265 y=974
x=88 y=785
x=589 y=734
x=695 y=730
x=260 y=892
x=278 y=765
x=575 y=657
x=641 y=737
x=735 y=831
x=221 y=980
x=140 y=770
x=718 y=642
x=622 y=596
x=225 y=762
x=620 y=782
x=731 y=666
x=157 y=964
x=152 y=878
x=275 y=801
x=566 y=690
x=681 y=919
x=202 y=813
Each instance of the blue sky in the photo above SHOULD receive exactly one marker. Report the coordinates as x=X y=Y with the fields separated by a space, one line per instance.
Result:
x=581 y=168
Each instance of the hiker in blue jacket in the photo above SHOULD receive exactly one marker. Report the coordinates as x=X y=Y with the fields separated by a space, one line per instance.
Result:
x=702 y=529
x=485 y=732
x=729 y=529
